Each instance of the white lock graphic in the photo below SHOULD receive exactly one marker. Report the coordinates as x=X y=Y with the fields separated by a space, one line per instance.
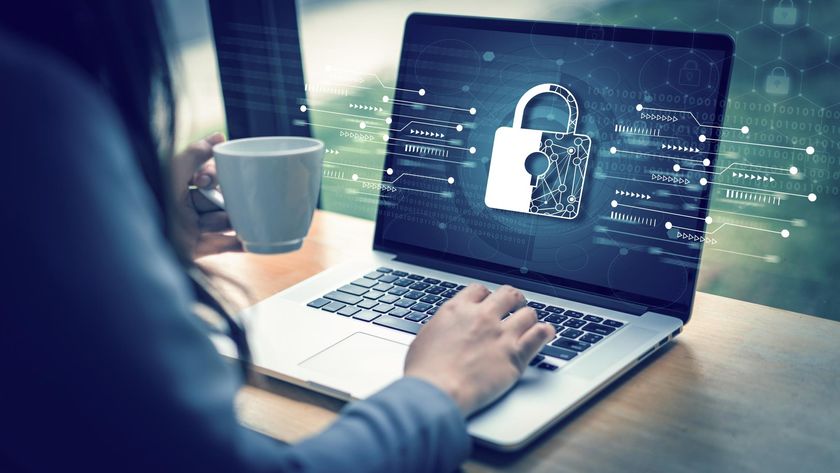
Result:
x=536 y=171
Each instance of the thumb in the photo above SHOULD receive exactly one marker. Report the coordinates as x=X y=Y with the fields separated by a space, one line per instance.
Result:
x=201 y=151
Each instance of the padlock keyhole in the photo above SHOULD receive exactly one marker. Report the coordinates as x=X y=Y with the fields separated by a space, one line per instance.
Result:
x=536 y=164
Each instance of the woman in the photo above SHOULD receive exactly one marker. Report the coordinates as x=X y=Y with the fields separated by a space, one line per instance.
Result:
x=107 y=367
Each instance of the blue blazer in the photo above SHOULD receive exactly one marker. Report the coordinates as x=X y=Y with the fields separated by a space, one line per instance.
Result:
x=104 y=367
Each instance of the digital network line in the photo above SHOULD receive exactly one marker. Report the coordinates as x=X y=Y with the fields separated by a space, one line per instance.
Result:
x=744 y=129
x=330 y=68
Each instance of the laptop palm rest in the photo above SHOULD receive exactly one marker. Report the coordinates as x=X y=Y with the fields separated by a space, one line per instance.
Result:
x=359 y=363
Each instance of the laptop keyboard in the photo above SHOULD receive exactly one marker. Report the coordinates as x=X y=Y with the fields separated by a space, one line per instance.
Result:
x=405 y=301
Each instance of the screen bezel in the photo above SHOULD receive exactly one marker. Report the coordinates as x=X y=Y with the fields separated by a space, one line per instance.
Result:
x=713 y=41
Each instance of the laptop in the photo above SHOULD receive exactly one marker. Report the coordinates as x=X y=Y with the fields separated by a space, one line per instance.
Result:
x=571 y=161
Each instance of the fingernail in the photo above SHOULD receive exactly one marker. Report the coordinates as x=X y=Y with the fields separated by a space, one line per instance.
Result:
x=203 y=180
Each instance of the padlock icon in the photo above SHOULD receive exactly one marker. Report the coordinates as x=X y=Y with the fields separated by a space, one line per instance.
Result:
x=785 y=13
x=777 y=82
x=689 y=74
x=536 y=171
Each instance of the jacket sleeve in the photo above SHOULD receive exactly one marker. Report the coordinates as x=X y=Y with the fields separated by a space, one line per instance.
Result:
x=105 y=368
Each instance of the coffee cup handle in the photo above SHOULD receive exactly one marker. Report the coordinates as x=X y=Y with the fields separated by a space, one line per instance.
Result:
x=214 y=195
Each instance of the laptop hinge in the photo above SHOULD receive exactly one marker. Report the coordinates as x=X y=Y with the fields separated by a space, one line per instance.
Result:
x=526 y=284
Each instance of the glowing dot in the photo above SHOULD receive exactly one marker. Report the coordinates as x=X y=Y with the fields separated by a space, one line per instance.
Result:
x=355 y=177
x=677 y=168
x=422 y=92
x=451 y=180
x=703 y=181
x=614 y=204
x=785 y=233
x=668 y=225
x=385 y=138
x=745 y=129
x=303 y=108
x=793 y=171
x=702 y=138
x=613 y=150
x=385 y=98
x=362 y=125
x=708 y=220
x=389 y=120
x=389 y=171
x=639 y=107
x=812 y=197
x=707 y=162
x=809 y=150
x=460 y=127
x=472 y=150
x=473 y=111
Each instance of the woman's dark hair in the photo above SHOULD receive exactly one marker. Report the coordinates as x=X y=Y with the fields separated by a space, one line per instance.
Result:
x=125 y=47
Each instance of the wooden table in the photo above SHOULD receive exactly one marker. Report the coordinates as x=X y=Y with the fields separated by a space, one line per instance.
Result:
x=744 y=388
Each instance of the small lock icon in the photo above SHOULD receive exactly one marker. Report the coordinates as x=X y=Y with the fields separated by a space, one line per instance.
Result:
x=785 y=13
x=690 y=73
x=537 y=171
x=777 y=82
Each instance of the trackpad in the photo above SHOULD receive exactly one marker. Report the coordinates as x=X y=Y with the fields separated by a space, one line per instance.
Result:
x=361 y=364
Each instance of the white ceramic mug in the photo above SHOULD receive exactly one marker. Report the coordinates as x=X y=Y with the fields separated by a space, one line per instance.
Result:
x=269 y=187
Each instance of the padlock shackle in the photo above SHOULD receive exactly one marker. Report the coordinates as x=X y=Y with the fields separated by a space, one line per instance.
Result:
x=563 y=92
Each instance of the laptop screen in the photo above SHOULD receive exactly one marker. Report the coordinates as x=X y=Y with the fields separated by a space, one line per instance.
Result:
x=574 y=155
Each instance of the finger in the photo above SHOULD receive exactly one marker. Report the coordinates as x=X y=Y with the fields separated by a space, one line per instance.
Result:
x=472 y=293
x=205 y=176
x=503 y=300
x=532 y=341
x=214 y=222
x=202 y=150
x=520 y=321
x=215 y=243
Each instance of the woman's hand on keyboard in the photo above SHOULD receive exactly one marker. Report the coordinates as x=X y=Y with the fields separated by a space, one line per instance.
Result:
x=470 y=353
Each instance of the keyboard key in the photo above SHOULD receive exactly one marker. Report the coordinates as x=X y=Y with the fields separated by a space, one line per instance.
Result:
x=343 y=297
x=435 y=290
x=432 y=281
x=419 y=286
x=591 y=338
x=448 y=285
x=449 y=293
x=367 y=304
x=405 y=303
x=421 y=307
x=558 y=328
x=613 y=323
x=432 y=311
x=333 y=306
x=403 y=282
x=571 y=333
x=460 y=286
x=373 y=275
x=397 y=323
x=430 y=299
x=547 y=366
x=555 y=319
x=573 y=313
x=400 y=312
x=574 y=323
x=570 y=344
x=398 y=291
x=542 y=313
x=351 y=289
x=598 y=328
x=554 y=308
x=592 y=318
x=388 y=299
x=383 y=308
x=536 y=305
x=416 y=277
x=383 y=287
x=414 y=295
x=388 y=278
x=364 y=282
x=441 y=302
x=318 y=303
x=349 y=310
x=537 y=360
x=373 y=295
x=415 y=316
x=558 y=352
x=366 y=315
x=401 y=274
x=384 y=270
